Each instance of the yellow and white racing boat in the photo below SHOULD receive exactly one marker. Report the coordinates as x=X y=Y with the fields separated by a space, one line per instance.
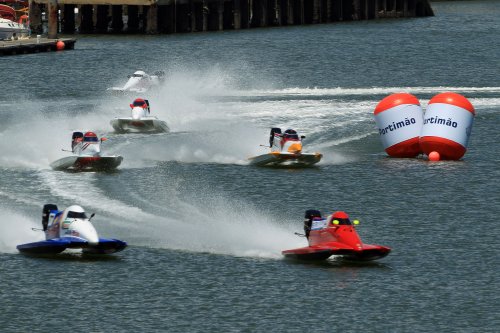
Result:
x=286 y=149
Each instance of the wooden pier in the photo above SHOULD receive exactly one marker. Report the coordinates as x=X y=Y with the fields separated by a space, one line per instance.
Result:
x=179 y=16
x=32 y=45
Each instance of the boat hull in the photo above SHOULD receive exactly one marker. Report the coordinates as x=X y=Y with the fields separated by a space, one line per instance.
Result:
x=12 y=30
x=320 y=254
x=87 y=163
x=105 y=246
x=368 y=253
x=116 y=91
x=51 y=246
x=144 y=125
x=58 y=245
x=286 y=159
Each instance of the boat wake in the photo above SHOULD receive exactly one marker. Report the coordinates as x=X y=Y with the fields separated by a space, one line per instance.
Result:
x=227 y=227
x=16 y=229
x=208 y=223
x=367 y=91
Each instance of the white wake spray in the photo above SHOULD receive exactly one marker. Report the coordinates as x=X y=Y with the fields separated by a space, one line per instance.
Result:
x=15 y=229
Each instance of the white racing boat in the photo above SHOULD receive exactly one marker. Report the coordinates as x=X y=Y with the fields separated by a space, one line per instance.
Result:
x=87 y=155
x=140 y=82
x=141 y=121
x=70 y=229
x=10 y=28
x=286 y=149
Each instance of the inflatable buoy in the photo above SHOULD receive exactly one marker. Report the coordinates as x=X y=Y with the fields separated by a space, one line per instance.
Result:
x=434 y=156
x=399 y=121
x=60 y=45
x=447 y=126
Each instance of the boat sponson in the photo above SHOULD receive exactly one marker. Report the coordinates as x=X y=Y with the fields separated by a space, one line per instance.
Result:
x=52 y=246
x=87 y=163
x=106 y=246
x=126 y=125
x=276 y=158
x=321 y=252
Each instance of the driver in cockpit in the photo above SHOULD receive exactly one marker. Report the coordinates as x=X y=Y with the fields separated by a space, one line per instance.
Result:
x=339 y=218
x=290 y=134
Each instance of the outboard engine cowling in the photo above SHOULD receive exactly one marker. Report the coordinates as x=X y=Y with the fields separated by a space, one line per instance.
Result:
x=308 y=218
x=75 y=139
x=45 y=214
x=274 y=130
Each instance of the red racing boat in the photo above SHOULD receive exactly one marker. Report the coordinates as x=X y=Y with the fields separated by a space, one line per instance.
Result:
x=334 y=235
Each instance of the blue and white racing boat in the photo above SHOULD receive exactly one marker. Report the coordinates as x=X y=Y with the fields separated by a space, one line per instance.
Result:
x=70 y=229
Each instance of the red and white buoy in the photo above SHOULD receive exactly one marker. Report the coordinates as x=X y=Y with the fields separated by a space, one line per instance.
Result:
x=447 y=126
x=399 y=121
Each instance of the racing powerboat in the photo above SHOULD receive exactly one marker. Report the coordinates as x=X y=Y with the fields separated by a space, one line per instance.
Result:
x=334 y=235
x=10 y=27
x=86 y=149
x=286 y=149
x=141 y=121
x=140 y=82
x=70 y=229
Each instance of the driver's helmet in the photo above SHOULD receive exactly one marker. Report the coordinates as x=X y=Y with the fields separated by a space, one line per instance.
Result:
x=340 y=218
x=290 y=134
x=139 y=74
x=139 y=102
x=90 y=137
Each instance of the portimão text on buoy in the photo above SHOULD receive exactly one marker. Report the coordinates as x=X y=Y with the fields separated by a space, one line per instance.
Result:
x=399 y=120
x=447 y=126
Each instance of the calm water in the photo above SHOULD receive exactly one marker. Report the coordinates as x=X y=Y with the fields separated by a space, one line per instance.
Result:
x=205 y=229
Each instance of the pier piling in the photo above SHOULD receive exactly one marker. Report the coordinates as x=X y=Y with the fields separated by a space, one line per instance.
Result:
x=174 y=16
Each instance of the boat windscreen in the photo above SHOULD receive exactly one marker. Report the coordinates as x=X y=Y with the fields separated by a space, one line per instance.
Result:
x=90 y=139
x=291 y=136
x=137 y=75
x=76 y=215
x=343 y=221
x=139 y=103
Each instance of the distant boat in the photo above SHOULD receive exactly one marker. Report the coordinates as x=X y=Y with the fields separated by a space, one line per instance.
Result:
x=141 y=121
x=10 y=28
x=140 y=82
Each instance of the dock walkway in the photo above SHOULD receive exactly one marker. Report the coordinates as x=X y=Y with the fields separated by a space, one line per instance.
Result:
x=31 y=45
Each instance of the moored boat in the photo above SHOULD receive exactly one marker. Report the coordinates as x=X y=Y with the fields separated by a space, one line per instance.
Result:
x=11 y=26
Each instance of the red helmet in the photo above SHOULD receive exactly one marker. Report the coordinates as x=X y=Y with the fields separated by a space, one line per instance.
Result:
x=139 y=102
x=90 y=135
x=340 y=215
